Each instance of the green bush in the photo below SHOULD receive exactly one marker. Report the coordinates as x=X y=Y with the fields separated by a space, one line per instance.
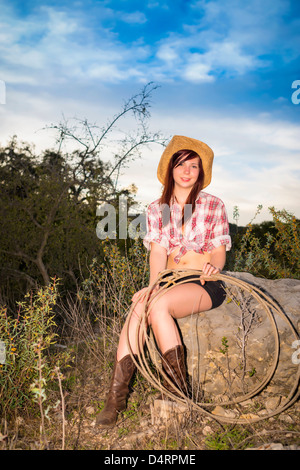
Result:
x=27 y=338
x=112 y=282
x=273 y=253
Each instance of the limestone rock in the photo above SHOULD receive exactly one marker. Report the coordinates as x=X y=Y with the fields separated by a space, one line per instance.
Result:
x=230 y=349
x=275 y=446
x=167 y=411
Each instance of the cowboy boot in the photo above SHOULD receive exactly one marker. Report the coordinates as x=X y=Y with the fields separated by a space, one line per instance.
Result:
x=173 y=364
x=118 y=392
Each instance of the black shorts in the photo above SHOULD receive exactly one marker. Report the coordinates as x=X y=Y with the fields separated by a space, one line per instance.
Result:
x=215 y=289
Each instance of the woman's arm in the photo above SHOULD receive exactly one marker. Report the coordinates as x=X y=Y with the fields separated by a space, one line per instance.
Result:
x=158 y=261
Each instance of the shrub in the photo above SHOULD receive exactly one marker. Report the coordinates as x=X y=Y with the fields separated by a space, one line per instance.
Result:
x=273 y=254
x=113 y=281
x=27 y=338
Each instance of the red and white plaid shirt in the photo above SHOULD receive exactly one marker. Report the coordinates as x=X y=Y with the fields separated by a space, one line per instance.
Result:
x=205 y=230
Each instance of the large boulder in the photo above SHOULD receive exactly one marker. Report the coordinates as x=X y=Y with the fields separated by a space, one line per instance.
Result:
x=231 y=350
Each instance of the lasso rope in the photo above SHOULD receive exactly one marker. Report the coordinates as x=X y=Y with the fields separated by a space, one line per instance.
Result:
x=174 y=278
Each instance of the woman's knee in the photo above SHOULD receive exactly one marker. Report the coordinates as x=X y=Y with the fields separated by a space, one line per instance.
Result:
x=157 y=312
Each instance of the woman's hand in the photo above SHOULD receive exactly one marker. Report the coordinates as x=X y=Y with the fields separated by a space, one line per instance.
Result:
x=208 y=269
x=142 y=293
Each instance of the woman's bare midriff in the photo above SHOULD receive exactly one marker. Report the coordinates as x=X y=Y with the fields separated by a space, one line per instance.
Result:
x=191 y=260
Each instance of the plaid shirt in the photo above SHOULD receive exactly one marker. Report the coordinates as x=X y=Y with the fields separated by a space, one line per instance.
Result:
x=205 y=230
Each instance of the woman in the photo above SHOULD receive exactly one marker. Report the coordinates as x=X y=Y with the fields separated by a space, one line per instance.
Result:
x=187 y=229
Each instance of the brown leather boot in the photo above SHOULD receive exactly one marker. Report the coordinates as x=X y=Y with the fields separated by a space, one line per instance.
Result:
x=173 y=364
x=118 y=392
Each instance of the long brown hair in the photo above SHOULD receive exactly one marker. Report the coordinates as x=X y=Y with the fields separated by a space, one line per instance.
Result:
x=179 y=157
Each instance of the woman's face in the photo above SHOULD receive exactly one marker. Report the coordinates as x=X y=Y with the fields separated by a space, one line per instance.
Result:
x=186 y=173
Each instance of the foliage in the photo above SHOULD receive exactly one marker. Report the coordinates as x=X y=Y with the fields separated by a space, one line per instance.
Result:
x=28 y=368
x=43 y=214
x=225 y=345
x=230 y=439
x=113 y=281
x=271 y=249
x=47 y=199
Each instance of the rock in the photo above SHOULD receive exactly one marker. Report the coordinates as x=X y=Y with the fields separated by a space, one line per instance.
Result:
x=219 y=411
x=286 y=419
x=262 y=413
x=274 y=446
x=231 y=349
x=167 y=411
x=272 y=403
x=139 y=436
x=207 y=430
x=90 y=410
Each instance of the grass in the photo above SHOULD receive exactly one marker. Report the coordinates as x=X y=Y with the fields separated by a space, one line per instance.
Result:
x=230 y=438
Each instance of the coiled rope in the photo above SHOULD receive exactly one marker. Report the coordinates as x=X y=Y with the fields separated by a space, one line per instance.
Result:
x=174 y=278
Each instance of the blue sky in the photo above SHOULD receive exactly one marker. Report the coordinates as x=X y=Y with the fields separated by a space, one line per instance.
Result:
x=224 y=68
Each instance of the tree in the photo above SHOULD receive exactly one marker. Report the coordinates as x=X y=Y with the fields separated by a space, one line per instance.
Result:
x=92 y=140
x=49 y=201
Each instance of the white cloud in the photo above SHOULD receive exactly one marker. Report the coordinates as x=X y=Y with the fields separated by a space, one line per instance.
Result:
x=196 y=71
x=49 y=46
x=227 y=55
x=137 y=17
x=54 y=45
x=167 y=53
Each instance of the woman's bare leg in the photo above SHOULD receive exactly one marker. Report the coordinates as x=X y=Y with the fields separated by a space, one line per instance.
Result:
x=178 y=302
x=130 y=335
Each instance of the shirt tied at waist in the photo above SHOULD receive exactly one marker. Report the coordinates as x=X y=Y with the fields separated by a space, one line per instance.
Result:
x=185 y=246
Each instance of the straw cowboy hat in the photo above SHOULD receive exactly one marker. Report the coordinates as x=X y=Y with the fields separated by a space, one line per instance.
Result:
x=179 y=142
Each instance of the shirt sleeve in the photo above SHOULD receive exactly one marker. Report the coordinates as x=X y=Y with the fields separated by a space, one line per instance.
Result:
x=154 y=229
x=219 y=233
